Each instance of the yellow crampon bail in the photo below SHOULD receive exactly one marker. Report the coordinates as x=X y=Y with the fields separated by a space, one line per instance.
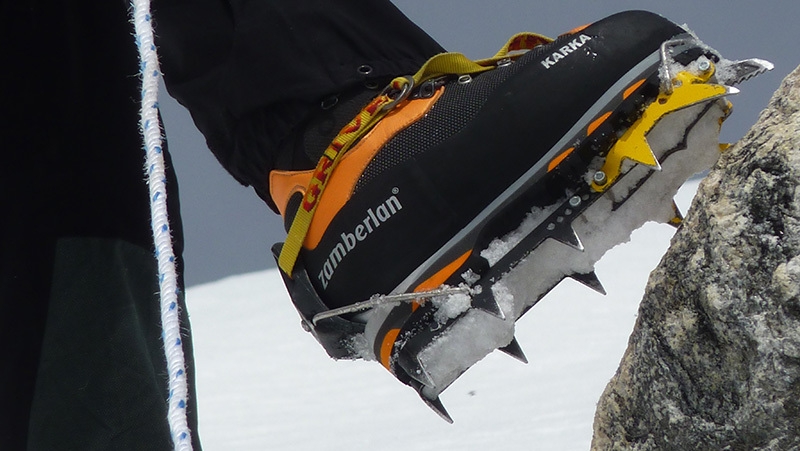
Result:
x=394 y=94
x=688 y=89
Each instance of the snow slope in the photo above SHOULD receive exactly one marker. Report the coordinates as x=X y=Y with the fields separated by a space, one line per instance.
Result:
x=263 y=383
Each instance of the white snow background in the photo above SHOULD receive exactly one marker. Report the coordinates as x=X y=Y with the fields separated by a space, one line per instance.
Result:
x=263 y=383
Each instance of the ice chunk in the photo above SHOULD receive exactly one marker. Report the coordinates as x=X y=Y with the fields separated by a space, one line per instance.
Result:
x=500 y=246
x=450 y=306
x=470 y=339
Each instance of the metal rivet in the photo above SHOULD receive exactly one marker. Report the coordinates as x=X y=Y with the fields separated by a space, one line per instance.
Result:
x=426 y=90
x=575 y=201
x=504 y=62
x=704 y=65
x=364 y=69
x=464 y=79
x=371 y=84
x=600 y=178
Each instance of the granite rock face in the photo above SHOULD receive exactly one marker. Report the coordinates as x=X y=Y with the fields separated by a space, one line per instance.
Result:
x=714 y=359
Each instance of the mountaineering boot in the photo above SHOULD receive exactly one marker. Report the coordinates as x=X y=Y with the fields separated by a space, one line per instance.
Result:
x=468 y=171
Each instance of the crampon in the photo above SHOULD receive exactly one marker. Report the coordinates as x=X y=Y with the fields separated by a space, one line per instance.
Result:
x=617 y=166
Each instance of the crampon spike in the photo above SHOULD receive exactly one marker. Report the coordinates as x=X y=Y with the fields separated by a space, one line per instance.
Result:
x=432 y=401
x=640 y=152
x=437 y=406
x=734 y=72
x=568 y=236
x=416 y=370
x=485 y=301
x=591 y=280
x=514 y=350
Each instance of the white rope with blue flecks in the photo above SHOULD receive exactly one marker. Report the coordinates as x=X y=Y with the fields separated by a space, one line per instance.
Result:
x=156 y=174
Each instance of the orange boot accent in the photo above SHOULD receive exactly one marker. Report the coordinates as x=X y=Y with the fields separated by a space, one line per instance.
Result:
x=387 y=346
x=436 y=280
x=343 y=180
x=282 y=184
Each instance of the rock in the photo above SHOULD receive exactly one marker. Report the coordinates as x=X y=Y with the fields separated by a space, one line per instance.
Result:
x=714 y=359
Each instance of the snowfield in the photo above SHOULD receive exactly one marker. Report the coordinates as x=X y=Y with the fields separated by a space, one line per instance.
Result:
x=264 y=383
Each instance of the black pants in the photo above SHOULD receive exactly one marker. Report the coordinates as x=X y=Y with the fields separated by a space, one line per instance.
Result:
x=253 y=73
x=81 y=360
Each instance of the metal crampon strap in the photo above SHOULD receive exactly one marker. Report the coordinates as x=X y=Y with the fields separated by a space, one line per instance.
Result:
x=394 y=94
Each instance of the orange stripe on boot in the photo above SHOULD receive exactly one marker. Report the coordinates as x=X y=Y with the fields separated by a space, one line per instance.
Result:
x=344 y=178
x=557 y=160
x=441 y=276
x=283 y=184
x=387 y=346
x=631 y=89
x=597 y=123
x=435 y=281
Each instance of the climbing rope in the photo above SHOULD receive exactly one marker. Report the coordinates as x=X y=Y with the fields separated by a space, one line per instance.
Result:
x=150 y=126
